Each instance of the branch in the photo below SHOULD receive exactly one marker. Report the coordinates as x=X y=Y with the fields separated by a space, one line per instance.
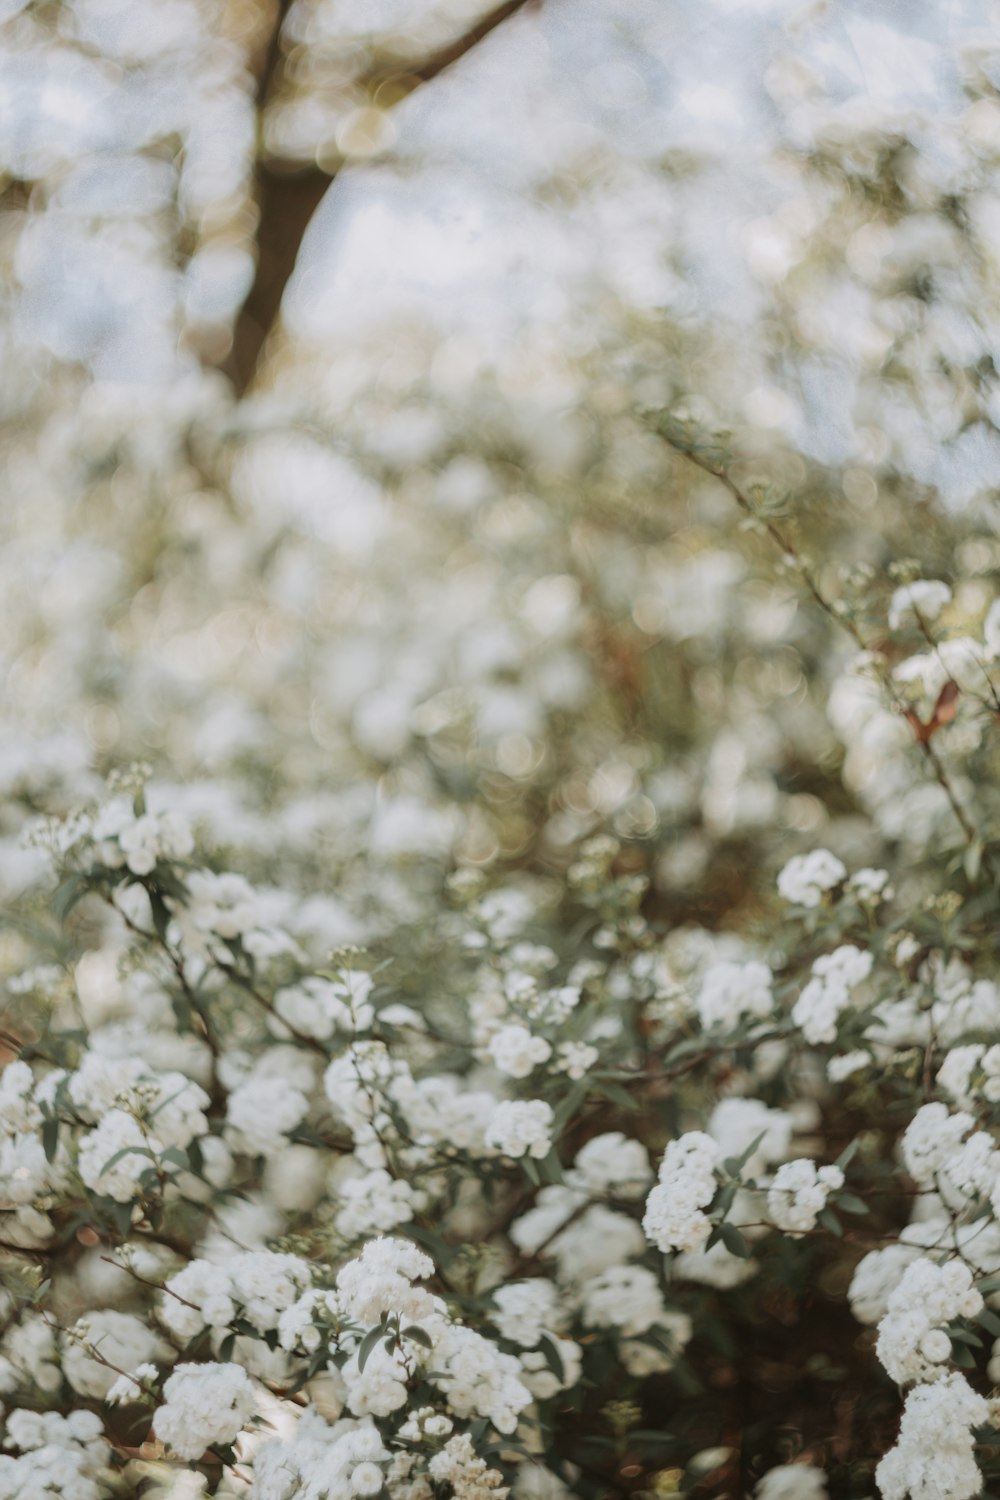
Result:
x=794 y=558
x=288 y=192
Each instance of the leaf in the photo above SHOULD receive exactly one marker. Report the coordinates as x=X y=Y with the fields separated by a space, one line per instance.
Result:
x=122 y=1215
x=973 y=861
x=368 y=1343
x=551 y=1168
x=127 y=1151
x=50 y=1138
x=734 y=1164
x=418 y=1336
x=851 y=1204
x=829 y=1220
x=734 y=1241
x=552 y=1357
x=67 y=895
x=617 y=1095
x=161 y=915
x=724 y=1201
x=990 y=1321
x=847 y=1155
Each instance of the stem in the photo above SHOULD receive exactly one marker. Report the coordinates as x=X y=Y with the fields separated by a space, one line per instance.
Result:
x=789 y=551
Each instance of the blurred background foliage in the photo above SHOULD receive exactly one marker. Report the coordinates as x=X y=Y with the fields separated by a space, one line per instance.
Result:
x=336 y=344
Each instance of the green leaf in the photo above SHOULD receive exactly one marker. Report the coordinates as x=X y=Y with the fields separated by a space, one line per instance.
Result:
x=368 y=1343
x=724 y=1201
x=550 y=1167
x=990 y=1321
x=973 y=861
x=418 y=1335
x=121 y=1213
x=851 y=1204
x=829 y=1220
x=50 y=1138
x=847 y=1155
x=553 y=1358
x=734 y=1164
x=67 y=895
x=127 y=1151
x=161 y=915
x=617 y=1095
x=734 y=1241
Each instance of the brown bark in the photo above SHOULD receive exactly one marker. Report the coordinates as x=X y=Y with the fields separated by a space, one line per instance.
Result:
x=288 y=193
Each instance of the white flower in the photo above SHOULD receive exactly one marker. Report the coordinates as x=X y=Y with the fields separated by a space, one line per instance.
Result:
x=623 y=1297
x=114 y=1156
x=674 y=1217
x=806 y=878
x=612 y=1165
x=150 y=838
x=934 y=1455
x=736 y=1123
x=799 y=1192
x=576 y=1059
x=828 y=993
x=320 y=1007
x=525 y=1310
x=380 y=1281
x=847 y=1064
x=927 y=1298
x=875 y=1276
x=129 y=1387
x=120 y=1338
x=366 y=1479
x=932 y=1137
x=991 y=629
x=222 y=904
x=792 y=1482
x=870 y=886
x=477 y=1378
x=204 y=1404
x=260 y=1114
x=516 y=1052
x=521 y=1127
x=926 y=596
x=730 y=991
x=373 y=1202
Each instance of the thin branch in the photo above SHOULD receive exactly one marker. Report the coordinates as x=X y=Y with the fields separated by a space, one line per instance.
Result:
x=792 y=555
x=288 y=193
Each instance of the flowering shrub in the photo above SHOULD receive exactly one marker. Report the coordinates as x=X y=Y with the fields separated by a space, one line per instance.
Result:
x=301 y=1223
x=532 y=1027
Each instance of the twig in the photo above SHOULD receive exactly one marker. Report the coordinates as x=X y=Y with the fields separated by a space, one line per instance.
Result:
x=791 y=553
